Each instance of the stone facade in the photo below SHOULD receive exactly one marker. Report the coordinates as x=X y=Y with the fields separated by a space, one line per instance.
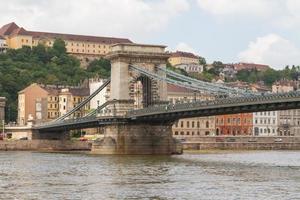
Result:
x=123 y=78
x=135 y=139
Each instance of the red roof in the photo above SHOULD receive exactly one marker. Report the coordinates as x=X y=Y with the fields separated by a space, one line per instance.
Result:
x=175 y=88
x=249 y=66
x=12 y=29
x=8 y=29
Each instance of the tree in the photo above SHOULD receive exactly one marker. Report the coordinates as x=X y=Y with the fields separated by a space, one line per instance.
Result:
x=202 y=61
x=59 y=47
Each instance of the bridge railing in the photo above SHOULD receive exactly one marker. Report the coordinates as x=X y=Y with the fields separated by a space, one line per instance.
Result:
x=224 y=102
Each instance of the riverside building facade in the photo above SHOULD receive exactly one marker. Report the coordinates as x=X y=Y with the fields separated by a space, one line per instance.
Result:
x=43 y=103
x=191 y=127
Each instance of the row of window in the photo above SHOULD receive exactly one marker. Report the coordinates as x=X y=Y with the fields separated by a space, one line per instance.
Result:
x=268 y=113
x=233 y=121
x=82 y=51
x=78 y=100
x=264 y=121
x=264 y=130
x=191 y=124
x=190 y=133
x=234 y=131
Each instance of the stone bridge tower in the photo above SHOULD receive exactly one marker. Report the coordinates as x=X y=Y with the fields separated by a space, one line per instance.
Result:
x=136 y=137
x=130 y=89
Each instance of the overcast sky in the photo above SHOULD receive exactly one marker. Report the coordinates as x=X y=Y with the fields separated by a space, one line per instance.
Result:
x=261 y=31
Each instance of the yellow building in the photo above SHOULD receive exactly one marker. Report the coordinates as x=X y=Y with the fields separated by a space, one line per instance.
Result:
x=190 y=127
x=180 y=57
x=81 y=46
x=43 y=103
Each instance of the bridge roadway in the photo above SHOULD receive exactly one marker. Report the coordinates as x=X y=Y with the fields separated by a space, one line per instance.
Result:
x=170 y=113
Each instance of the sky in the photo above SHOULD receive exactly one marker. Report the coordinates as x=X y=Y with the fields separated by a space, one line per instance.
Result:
x=256 y=31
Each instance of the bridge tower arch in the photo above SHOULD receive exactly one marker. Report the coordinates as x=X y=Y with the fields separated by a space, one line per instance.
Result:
x=124 y=80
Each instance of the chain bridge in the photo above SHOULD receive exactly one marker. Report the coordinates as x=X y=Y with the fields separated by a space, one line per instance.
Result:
x=139 y=121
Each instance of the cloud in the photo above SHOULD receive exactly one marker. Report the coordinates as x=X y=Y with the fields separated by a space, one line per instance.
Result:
x=182 y=46
x=273 y=50
x=126 y=18
x=239 y=7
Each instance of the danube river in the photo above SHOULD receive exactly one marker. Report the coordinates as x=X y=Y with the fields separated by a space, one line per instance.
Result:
x=228 y=175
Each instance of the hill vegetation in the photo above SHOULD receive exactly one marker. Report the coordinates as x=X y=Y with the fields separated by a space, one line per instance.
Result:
x=46 y=65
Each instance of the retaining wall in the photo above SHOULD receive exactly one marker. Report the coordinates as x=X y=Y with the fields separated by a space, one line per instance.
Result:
x=44 y=145
x=242 y=143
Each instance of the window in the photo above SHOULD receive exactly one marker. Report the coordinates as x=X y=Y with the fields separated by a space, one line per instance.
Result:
x=207 y=124
x=176 y=132
x=64 y=99
x=64 y=107
x=181 y=133
x=181 y=124
x=187 y=124
x=198 y=124
x=187 y=133
x=193 y=124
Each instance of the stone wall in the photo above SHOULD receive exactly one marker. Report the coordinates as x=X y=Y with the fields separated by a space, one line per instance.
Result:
x=242 y=143
x=44 y=145
x=135 y=139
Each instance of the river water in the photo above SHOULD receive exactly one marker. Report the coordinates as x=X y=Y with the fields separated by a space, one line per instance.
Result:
x=222 y=175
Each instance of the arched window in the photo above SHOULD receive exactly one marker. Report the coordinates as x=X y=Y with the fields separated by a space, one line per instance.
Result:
x=207 y=124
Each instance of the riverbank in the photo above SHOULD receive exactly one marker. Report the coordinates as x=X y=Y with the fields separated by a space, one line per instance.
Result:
x=44 y=145
x=242 y=143
x=198 y=143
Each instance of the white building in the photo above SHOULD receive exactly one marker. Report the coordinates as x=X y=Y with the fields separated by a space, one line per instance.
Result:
x=265 y=123
x=3 y=45
x=101 y=97
x=190 y=67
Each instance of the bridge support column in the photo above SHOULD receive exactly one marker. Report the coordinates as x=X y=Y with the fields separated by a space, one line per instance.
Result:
x=146 y=139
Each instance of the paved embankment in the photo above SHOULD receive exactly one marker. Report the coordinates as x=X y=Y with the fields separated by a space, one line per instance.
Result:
x=242 y=143
x=44 y=145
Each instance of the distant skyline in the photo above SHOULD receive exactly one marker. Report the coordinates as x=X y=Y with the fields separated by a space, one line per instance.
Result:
x=259 y=31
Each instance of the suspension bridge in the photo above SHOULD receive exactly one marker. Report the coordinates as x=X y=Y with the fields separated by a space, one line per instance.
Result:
x=147 y=129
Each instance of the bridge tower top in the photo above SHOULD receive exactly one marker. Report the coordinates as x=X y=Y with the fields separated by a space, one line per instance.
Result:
x=129 y=88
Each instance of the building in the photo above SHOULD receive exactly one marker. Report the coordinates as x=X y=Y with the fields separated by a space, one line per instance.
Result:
x=250 y=66
x=285 y=86
x=2 y=108
x=43 y=103
x=235 y=124
x=3 y=45
x=288 y=120
x=190 y=68
x=265 y=123
x=102 y=96
x=186 y=61
x=191 y=127
x=82 y=46
x=228 y=72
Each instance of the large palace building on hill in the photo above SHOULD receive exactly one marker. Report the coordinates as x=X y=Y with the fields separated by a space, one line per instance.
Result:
x=82 y=46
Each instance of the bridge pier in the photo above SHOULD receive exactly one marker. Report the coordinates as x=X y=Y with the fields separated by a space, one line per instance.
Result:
x=139 y=138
